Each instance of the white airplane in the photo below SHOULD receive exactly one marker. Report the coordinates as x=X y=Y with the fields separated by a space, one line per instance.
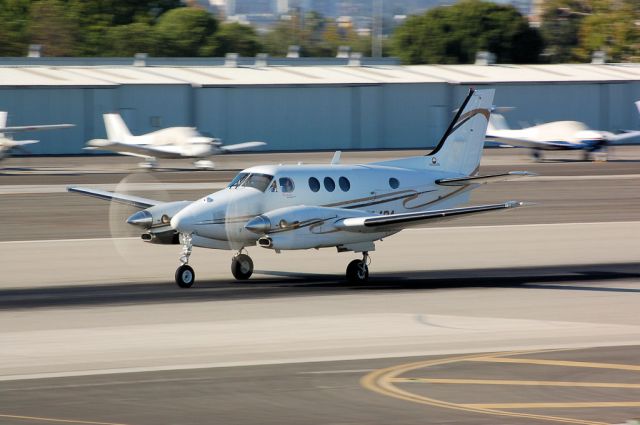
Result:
x=556 y=135
x=7 y=144
x=173 y=142
x=349 y=207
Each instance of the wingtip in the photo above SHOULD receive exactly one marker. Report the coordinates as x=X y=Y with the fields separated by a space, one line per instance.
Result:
x=516 y=204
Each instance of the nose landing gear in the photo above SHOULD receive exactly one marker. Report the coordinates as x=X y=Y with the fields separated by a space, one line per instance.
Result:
x=358 y=270
x=241 y=266
x=185 y=276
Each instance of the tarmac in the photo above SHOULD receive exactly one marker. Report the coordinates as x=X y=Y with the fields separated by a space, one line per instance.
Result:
x=527 y=316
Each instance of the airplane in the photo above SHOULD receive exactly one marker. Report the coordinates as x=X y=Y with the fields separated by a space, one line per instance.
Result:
x=348 y=207
x=7 y=144
x=173 y=142
x=556 y=135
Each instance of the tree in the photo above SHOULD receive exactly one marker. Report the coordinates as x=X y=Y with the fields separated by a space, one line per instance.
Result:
x=52 y=27
x=127 y=40
x=186 y=32
x=561 y=22
x=236 y=38
x=14 y=20
x=455 y=33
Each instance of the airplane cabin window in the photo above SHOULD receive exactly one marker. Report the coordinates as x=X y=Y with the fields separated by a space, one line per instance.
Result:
x=394 y=183
x=344 y=183
x=238 y=179
x=286 y=184
x=314 y=184
x=258 y=181
x=329 y=184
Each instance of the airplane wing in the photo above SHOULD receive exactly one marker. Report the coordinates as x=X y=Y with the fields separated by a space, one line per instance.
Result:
x=463 y=181
x=241 y=146
x=619 y=138
x=533 y=144
x=13 y=143
x=18 y=129
x=141 y=151
x=134 y=201
x=381 y=223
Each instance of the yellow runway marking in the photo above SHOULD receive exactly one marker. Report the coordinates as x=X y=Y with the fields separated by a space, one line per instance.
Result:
x=384 y=382
x=556 y=363
x=64 y=421
x=573 y=405
x=515 y=382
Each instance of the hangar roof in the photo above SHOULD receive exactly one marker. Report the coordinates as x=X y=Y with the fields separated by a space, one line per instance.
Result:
x=114 y=75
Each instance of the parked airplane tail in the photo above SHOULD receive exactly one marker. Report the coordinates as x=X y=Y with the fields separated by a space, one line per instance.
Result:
x=3 y=121
x=117 y=130
x=460 y=147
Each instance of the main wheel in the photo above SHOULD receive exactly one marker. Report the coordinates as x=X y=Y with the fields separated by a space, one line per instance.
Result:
x=185 y=276
x=242 y=267
x=536 y=154
x=357 y=271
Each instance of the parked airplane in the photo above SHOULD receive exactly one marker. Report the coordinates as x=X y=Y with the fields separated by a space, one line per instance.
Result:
x=349 y=207
x=556 y=135
x=173 y=142
x=7 y=144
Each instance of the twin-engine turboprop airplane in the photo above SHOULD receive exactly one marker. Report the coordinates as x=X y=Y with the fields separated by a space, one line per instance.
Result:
x=7 y=144
x=173 y=142
x=349 y=207
x=555 y=136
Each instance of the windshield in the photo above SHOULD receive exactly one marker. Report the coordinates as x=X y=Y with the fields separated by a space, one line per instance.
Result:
x=237 y=180
x=255 y=180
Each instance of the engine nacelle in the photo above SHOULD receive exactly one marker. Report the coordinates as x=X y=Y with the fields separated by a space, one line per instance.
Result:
x=156 y=216
x=162 y=236
x=306 y=227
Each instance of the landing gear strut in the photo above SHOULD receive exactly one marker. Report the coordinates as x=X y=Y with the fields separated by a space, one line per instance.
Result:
x=185 y=276
x=358 y=270
x=241 y=266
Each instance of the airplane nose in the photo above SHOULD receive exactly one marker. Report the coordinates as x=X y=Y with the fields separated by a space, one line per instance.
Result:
x=182 y=223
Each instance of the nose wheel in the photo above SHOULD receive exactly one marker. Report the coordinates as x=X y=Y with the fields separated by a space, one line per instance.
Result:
x=185 y=276
x=358 y=270
x=242 y=266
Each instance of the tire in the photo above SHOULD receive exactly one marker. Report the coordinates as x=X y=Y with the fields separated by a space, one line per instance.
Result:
x=357 y=272
x=242 y=267
x=185 y=276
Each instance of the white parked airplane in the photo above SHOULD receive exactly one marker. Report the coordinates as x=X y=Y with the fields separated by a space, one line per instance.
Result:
x=7 y=144
x=173 y=142
x=349 y=207
x=556 y=135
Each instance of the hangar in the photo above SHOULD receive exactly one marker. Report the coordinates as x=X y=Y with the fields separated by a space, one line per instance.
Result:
x=305 y=106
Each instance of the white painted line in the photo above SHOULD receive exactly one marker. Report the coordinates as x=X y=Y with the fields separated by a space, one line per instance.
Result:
x=337 y=372
x=69 y=240
x=62 y=188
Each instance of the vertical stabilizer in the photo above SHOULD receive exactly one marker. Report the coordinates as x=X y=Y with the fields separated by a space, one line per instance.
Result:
x=117 y=130
x=3 y=121
x=460 y=148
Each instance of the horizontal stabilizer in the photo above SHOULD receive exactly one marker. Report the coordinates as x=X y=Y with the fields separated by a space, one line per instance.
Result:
x=463 y=181
x=120 y=198
x=381 y=223
x=34 y=128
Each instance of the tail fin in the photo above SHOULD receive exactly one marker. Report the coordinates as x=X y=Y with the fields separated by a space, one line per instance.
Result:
x=117 y=130
x=3 y=121
x=460 y=148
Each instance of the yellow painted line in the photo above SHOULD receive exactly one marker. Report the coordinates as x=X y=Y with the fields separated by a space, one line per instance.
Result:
x=556 y=363
x=65 y=421
x=572 y=405
x=381 y=381
x=515 y=382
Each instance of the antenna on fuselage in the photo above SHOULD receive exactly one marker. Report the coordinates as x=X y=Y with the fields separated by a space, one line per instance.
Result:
x=336 y=158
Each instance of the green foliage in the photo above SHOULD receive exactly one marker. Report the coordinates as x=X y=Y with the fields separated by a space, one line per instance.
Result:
x=51 y=26
x=236 y=38
x=561 y=21
x=455 y=33
x=127 y=40
x=186 y=32
x=14 y=21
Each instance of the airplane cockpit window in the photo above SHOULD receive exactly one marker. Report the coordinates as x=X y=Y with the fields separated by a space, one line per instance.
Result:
x=286 y=184
x=237 y=180
x=257 y=181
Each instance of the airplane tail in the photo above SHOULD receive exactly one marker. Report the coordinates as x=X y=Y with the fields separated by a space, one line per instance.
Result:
x=460 y=148
x=3 y=121
x=117 y=130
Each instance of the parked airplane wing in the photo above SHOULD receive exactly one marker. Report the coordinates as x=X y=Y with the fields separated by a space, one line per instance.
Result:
x=120 y=198
x=619 y=138
x=400 y=221
x=533 y=144
x=462 y=181
x=141 y=151
x=241 y=146
x=17 y=129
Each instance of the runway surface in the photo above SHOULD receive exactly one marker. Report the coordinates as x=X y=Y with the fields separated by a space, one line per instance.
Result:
x=527 y=316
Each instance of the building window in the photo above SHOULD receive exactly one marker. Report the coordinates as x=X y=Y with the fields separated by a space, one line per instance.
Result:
x=344 y=183
x=329 y=184
x=286 y=184
x=394 y=183
x=314 y=184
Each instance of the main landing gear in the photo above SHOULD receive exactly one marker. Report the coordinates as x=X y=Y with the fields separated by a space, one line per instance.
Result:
x=241 y=266
x=185 y=276
x=358 y=270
